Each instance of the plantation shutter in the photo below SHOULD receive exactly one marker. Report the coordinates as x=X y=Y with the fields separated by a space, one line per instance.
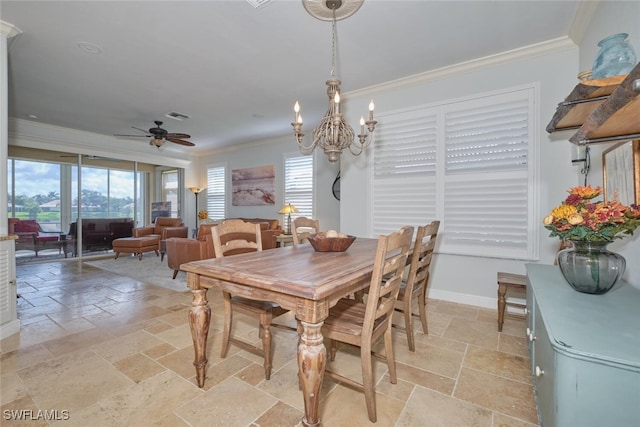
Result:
x=216 y=194
x=298 y=184
x=465 y=163
x=404 y=171
x=486 y=173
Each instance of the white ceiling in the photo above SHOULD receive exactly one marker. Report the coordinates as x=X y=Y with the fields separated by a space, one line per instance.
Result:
x=235 y=70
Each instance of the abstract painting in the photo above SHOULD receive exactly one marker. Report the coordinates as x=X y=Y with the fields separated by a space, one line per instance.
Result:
x=253 y=186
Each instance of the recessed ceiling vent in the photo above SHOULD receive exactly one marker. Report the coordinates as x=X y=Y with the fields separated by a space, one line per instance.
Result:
x=176 y=116
x=257 y=3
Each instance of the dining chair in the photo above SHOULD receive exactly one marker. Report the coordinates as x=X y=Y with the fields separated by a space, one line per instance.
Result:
x=303 y=227
x=416 y=283
x=232 y=237
x=362 y=325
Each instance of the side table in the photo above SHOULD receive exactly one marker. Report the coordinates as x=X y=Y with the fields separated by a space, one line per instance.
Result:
x=284 y=240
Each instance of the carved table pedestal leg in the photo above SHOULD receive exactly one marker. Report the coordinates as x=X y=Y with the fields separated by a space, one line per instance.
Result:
x=199 y=318
x=312 y=357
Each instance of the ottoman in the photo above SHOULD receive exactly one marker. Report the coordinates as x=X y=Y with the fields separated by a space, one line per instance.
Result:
x=135 y=245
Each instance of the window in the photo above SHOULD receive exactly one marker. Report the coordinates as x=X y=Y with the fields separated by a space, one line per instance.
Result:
x=298 y=183
x=170 y=190
x=467 y=163
x=216 y=194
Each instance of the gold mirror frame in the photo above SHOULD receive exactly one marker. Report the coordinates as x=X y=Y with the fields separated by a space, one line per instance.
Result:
x=621 y=172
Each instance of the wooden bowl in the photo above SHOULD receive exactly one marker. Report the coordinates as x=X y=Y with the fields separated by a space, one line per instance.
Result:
x=330 y=244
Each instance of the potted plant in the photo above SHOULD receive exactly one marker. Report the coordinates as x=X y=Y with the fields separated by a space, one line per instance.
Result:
x=591 y=225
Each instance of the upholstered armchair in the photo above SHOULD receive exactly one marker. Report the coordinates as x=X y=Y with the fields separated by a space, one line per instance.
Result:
x=163 y=229
x=183 y=250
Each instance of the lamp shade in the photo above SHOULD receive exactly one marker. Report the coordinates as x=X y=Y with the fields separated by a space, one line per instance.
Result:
x=196 y=190
x=288 y=209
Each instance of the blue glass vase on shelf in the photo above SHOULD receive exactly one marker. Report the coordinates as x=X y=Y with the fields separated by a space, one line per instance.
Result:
x=616 y=57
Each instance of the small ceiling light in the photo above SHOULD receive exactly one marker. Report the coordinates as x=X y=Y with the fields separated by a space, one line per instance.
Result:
x=257 y=3
x=90 y=48
x=176 y=116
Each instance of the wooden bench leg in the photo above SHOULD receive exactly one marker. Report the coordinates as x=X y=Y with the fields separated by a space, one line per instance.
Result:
x=502 y=290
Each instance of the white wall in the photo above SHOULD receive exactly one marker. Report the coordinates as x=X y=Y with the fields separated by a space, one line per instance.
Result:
x=473 y=279
x=271 y=152
x=552 y=67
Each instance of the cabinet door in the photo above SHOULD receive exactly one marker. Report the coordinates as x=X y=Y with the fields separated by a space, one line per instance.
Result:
x=7 y=281
x=530 y=316
x=544 y=373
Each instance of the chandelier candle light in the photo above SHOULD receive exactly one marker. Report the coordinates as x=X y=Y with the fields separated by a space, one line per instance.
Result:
x=333 y=134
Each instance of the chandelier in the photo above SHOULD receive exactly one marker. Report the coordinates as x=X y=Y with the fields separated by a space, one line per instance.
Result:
x=333 y=134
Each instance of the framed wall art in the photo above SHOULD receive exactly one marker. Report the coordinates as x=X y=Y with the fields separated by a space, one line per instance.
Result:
x=621 y=172
x=253 y=186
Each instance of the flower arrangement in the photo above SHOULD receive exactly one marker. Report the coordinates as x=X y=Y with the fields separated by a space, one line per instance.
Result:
x=203 y=214
x=580 y=218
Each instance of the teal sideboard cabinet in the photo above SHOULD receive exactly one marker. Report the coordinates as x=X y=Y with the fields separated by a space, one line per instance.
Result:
x=584 y=350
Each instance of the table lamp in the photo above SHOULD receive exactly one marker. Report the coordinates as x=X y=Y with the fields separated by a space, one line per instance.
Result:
x=288 y=209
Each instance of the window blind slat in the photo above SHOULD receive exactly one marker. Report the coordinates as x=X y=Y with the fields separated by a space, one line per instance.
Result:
x=216 y=192
x=298 y=184
x=483 y=177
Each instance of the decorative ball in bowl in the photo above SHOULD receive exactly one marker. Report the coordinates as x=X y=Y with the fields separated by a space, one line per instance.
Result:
x=330 y=241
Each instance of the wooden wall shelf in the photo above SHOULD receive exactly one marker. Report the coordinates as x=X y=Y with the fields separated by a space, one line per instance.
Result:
x=603 y=110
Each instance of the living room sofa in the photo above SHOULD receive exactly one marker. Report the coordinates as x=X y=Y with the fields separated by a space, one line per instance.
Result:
x=163 y=229
x=182 y=250
x=99 y=233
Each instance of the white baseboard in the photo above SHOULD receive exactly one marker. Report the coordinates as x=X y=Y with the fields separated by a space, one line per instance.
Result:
x=9 y=328
x=474 y=300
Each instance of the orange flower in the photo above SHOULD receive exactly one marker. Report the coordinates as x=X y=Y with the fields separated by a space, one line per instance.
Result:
x=581 y=218
x=587 y=192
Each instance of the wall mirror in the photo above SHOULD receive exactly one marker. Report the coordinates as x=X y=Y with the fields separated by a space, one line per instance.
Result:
x=621 y=172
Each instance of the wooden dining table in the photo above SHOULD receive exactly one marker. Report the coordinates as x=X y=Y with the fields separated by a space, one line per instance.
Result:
x=299 y=279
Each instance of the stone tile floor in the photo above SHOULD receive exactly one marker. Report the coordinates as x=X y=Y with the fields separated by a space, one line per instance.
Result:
x=96 y=348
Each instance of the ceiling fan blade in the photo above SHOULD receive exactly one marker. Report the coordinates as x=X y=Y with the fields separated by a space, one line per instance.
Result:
x=134 y=136
x=141 y=130
x=181 y=142
x=178 y=135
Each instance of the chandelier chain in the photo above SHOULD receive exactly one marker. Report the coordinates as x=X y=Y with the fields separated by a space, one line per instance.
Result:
x=333 y=45
x=333 y=134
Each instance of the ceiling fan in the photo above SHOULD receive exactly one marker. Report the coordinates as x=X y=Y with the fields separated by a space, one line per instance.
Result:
x=159 y=135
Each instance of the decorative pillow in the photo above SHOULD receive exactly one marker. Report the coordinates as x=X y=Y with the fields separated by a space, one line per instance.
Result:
x=26 y=226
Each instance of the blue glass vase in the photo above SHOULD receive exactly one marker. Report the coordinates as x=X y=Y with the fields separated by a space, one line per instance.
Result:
x=590 y=268
x=616 y=57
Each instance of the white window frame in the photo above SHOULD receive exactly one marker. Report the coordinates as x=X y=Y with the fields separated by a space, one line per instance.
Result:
x=422 y=195
x=299 y=192
x=214 y=195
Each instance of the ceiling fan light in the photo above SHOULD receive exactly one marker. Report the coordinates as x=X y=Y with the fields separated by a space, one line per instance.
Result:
x=156 y=142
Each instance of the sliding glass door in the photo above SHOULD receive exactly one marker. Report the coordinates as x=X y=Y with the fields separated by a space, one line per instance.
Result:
x=54 y=198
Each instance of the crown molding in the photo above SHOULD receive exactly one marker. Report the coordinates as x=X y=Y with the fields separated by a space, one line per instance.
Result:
x=9 y=30
x=544 y=48
x=29 y=134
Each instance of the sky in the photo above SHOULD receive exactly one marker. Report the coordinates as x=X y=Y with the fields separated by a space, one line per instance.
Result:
x=32 y=178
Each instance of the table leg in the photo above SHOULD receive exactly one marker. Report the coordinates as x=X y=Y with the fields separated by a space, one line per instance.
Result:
x=312 y=358
x=199 y=318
